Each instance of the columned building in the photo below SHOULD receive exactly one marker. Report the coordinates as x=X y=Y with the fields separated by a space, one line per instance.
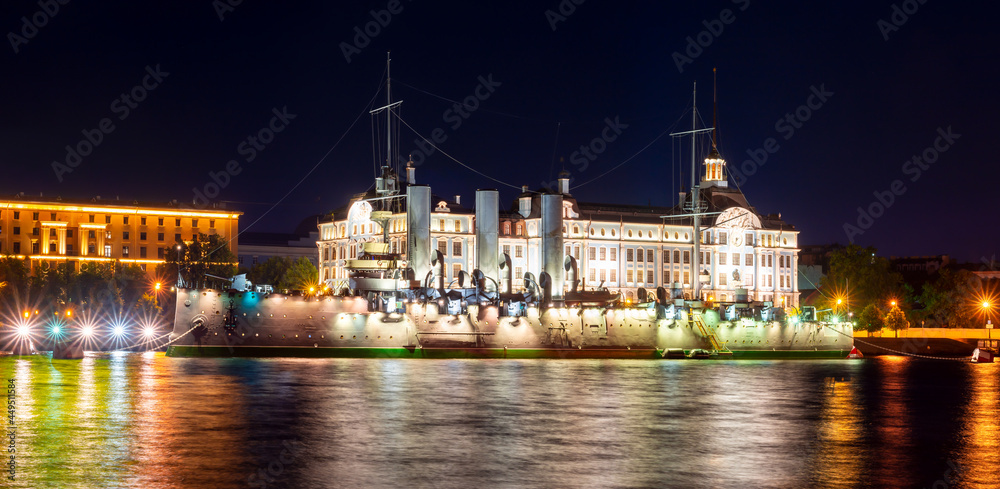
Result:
x=617 y=247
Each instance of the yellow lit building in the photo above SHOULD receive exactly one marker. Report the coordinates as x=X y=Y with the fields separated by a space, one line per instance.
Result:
x=105 y=231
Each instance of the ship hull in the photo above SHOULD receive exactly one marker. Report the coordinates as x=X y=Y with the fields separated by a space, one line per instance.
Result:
x=275 y=325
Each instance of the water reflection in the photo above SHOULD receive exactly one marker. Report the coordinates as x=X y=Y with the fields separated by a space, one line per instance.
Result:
x=143 y=420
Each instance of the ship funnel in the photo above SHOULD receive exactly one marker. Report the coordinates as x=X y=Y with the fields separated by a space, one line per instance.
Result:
x=487 y=227
x=418 y=227
x=552 y=242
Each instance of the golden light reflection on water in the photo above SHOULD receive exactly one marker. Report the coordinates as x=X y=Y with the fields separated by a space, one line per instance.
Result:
x=840 y=451
x=144 y=420
x=978 y=455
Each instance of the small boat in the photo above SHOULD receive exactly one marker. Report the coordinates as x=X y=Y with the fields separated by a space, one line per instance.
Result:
x=855 y=353
x=980 y=355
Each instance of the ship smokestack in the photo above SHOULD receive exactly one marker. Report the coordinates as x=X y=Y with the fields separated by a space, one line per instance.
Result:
x=418 y=227
x=487 y=229
x=552 y=242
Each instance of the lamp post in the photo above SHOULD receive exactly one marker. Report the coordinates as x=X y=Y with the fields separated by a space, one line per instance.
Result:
x=156 y=294
x=180 y=282
x=986 y=312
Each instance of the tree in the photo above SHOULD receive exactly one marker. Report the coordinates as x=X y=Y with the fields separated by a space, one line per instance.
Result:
x=301 y=275
x=206 y=255
x=270 y=272
x=863 y=278
x=949 y=301
x=896 y=320
x=871 y=318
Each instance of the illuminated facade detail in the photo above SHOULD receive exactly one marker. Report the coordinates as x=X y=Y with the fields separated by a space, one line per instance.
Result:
x=57 y=232
x=619 y=247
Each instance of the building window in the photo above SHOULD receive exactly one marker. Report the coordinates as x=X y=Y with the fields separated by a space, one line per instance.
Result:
x=749 y=240
x=160 y=253
x=519 y=251
x=649 y=277
x=34 y=247
x=34 y=216
x=177 y=237
x=90 y=218
x=666 y=277
x=593 y=274
x=458 y=226
x=194 y=223
x=592 y=253
x=107 y=250
x=125 y=220
x=649 y=257
x=456 y=247
x=142 y=235
x=629 y=257
x=91 y=234
x=736 y=259
x=576 y=229
x=722 y=279
x=17 y=247
x=666 y=258
x=506 y=250
x=604 y=253
x=723 y=238
x=770 y=260
x=211 y=223
x=506 y=227
x=722 y=258
x=749 y=261
x=17 y=214
x=159 y=236
x=177 y=222
x=455 y=270
x=69 y=233
x=34 y=231
x=677 y=276
x=125 y=235
x=125 y=251
x=687 y=258
x=518 y=273
x=91 y=249
x=17 y=230
x=142 y=252
x=142 y=220
x=107 y=219
x=613 y=254
x=686 y=277
x=614 y=275
x=440 y=224
x=604 y=275
x=628 y=276
x=443 y=247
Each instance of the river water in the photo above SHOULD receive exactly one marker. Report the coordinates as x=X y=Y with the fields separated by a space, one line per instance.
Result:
x=145 y=420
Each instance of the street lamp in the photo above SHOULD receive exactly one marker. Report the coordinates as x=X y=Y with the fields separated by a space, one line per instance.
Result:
x=986 y=312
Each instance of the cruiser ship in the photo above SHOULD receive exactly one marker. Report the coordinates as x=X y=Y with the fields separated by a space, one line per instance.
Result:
x=405 y=274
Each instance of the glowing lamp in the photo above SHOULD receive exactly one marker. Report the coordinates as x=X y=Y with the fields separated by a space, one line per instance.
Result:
x=148 y=332
x=56 y=330
x=88 y=331
x=23 y=330
x=118 y=331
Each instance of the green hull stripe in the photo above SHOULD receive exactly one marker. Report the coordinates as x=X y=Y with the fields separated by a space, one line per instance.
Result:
x=513 y=353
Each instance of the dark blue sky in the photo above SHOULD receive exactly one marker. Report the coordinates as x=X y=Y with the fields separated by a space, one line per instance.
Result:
x=605 y=60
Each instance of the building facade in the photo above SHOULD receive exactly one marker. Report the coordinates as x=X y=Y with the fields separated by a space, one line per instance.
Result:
x=105 y=231
x=617 y=247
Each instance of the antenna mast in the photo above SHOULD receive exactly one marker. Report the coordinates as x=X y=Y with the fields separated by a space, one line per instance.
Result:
x=715 y=111
x=695 y=207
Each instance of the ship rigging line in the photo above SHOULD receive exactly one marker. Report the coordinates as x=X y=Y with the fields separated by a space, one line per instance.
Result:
x=310 y=172
x=452 y=158
x=637 y=153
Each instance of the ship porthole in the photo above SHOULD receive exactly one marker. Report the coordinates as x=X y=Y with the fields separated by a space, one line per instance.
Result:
x=354 y=337
x=341 y=336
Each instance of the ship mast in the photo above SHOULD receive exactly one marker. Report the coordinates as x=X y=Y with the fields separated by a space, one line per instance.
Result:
x=695 y=207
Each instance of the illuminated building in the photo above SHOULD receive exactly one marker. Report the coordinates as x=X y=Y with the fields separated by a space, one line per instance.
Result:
x=104 y=231
x=620 y=247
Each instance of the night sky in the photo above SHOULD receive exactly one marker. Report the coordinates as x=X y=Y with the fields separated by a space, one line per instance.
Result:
x=218 y=82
